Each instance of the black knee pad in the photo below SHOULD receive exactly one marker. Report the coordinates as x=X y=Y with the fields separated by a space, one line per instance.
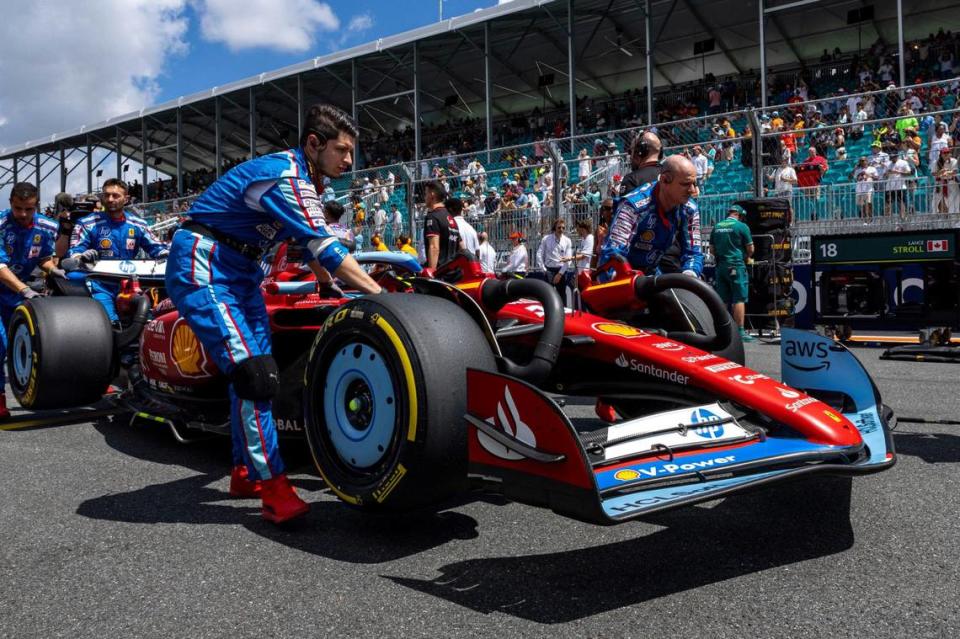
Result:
x=256 y=378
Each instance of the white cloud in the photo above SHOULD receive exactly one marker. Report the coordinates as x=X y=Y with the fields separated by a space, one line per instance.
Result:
x=283 y=25
x=360 y=22
x=63 y=66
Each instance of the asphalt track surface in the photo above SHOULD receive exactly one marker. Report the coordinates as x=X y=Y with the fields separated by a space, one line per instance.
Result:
x=111 y=530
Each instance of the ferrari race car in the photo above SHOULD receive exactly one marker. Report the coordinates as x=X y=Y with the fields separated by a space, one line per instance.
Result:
x=456 y=380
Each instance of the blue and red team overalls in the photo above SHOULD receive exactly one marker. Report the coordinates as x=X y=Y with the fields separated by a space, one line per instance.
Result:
x=22 y=249
x=119 y=239
x=642 y=233
x=214 y=276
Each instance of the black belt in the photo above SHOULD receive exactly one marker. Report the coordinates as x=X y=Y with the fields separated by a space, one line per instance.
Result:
x=249 y=251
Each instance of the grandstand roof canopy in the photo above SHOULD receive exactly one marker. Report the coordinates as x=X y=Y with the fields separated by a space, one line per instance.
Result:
x=528 y=43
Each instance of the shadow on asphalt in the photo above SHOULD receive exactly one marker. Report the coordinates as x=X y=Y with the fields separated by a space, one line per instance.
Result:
x=331 y=529
x=933 y=448
x=700 y=546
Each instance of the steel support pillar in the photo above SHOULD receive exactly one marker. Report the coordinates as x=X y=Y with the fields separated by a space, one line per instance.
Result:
x=487 y=88
x=763 y=57
x=143 y=159
x=217 y=147
x=89 y=166
x=571 y=72
x=647 y=39
x=900 y=44
x=299 y=107
x=119 y=146
x=252 y=101
x=179 y=152
x=416 y=101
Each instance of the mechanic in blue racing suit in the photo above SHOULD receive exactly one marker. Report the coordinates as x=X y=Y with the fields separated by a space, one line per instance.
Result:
x=647 y=220
x=112 y=234
x=26 y=242
x=213 y=277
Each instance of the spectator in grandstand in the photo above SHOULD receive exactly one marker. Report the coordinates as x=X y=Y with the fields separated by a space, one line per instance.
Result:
x=377 y=243
x=491 y=203
x=114 y=234
x=552 y=255
x=940 y=140
x=379 y=220
x=486 y=253
x=810 y=173
x=839 y=144
x=732 y=246
x=468 y=234
x=645 y=223
x=517 y=260
x=584 y=165
x=864 y=175
x=213 y=279
x=441 y=237
x=27 y=243
x=859 y=117
x=907 y=120
x=946 y=196
x=700 y=165
x=332 y=214
x=784 y=178
x=646 y=152
x=396 y=219
x=896 y=193
x=405 y=244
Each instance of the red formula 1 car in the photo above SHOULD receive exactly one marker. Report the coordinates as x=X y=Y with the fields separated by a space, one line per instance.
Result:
x=456 y=381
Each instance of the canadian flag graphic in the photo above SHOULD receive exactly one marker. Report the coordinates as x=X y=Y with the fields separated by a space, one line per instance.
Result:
x=938 y=246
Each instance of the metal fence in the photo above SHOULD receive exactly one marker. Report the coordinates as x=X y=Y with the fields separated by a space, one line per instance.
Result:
x=739 y=155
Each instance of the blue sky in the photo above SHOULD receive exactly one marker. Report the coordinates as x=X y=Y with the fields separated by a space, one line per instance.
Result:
x=67 y=63
x=208 y=64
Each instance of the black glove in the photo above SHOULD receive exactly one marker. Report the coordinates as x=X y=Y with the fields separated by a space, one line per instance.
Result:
x=329 y=289
x=70 y=263
x=90 y=256
x=28 y=293
x=162 y=257
x=56 y=272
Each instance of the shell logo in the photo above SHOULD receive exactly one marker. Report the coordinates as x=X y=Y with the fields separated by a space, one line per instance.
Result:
x=187 y=354
x=105 y=243
x=647 y=236
x=626 y=475
x=619 y=330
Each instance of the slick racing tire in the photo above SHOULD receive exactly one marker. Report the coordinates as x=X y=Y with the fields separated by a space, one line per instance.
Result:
x=695 y=312
x=385 y=398
x=60 y=352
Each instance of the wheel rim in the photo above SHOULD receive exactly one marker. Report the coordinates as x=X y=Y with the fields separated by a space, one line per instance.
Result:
x=22 y=355
x=359 y=405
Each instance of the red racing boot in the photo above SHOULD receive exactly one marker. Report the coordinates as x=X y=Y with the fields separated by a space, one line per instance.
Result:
x=280 y=501
x=605 y=411
x=240 y=484
x=4 y=411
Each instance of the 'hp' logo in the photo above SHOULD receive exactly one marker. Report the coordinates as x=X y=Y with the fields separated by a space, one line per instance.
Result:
x=127 y=266
x=709 y=430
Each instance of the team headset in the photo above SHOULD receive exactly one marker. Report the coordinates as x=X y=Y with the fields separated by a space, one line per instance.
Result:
x=642 y=148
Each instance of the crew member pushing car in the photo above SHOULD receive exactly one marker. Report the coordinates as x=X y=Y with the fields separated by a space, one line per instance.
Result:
x=112 y=234
x=647 y=219
x=27 y=242
x=213 y=277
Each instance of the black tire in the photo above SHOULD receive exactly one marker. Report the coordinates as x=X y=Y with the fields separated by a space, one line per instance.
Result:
x=404 y=358
x=60 y=352
x=697 y=313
